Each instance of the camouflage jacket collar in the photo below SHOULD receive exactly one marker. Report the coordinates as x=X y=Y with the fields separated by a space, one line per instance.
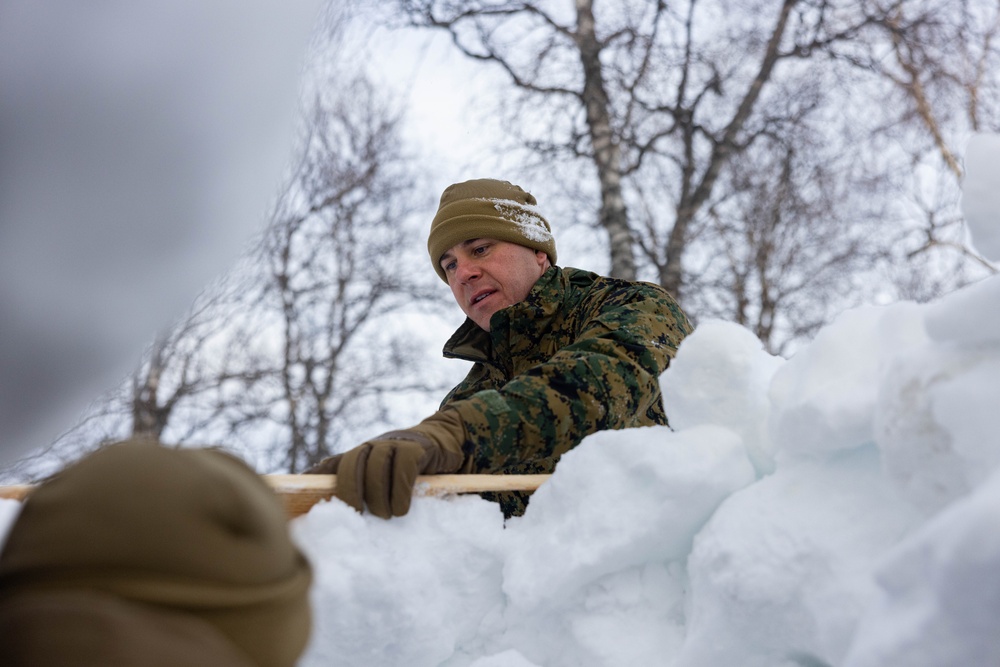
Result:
x=543 y=304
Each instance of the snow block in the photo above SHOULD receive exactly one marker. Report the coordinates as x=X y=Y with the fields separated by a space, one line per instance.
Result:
x=720 y=376
x=823 y=399
x=620 y=499
x=404 y=592
x=937 y=418
x=939 y=592
x=782 y=572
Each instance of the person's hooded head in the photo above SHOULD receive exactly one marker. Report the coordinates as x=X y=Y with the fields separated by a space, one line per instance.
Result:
x=139 y=540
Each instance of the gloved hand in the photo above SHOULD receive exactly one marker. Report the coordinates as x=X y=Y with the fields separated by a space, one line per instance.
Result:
x=382 y=472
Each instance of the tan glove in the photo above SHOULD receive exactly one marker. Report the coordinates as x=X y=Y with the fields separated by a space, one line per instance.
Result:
x=382 y=472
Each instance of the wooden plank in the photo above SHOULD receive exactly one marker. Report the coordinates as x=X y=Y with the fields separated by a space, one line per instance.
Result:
x=15 y=492
x=300 y=492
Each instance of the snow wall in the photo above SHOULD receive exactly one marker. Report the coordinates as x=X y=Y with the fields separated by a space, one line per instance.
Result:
x=839 y=508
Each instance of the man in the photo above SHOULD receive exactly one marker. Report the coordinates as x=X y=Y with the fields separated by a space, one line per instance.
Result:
x=558 y=354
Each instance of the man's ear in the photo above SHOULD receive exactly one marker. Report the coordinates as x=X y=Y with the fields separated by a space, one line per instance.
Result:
x=543 y=259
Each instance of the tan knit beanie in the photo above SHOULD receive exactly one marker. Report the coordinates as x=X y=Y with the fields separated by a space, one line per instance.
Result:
x=488 y=208
x=194 y=531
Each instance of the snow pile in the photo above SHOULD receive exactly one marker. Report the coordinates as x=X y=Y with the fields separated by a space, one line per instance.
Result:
x=839 y=508
x=835 y=509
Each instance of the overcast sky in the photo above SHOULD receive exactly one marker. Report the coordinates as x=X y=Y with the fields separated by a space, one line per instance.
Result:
x=139 y=146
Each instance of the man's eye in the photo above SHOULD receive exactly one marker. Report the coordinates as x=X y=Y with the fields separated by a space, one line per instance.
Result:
x=479 y=250
x=449 y=266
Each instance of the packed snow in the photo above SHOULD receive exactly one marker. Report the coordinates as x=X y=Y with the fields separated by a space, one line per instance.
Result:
x=839 y=508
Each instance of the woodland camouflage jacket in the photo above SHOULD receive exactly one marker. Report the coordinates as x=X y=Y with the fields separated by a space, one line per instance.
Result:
x=581 y=354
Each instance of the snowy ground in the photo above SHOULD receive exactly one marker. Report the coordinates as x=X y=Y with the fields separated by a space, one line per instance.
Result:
x=839 y=508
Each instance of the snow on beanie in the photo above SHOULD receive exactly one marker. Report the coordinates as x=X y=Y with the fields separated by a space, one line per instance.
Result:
x=492 y=209
x=194 y=531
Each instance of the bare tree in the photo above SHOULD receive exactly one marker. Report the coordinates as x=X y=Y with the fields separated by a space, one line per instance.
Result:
x=930 y=253
x=335 y=257
x=170 y=397
x=940 y=60
x=785 y=245
x=188 y=363
x=316 y=356
x=297 y=351
x=662 y=99
x=557 y=60
x=650 y=79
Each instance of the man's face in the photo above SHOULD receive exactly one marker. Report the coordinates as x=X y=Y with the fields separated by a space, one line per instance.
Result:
x=487 y=275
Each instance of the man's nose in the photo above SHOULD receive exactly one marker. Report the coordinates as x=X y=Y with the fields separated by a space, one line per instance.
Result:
x=467 y=271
